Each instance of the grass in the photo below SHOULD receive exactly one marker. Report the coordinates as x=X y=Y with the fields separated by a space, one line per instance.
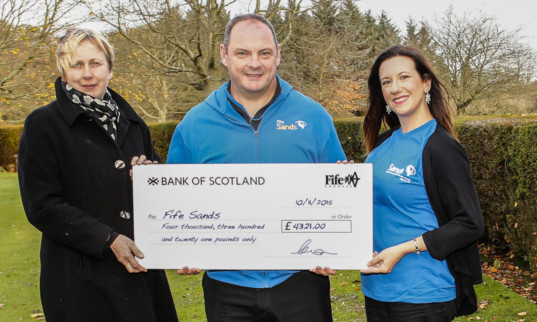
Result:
x=19 y=278
x=19 y=256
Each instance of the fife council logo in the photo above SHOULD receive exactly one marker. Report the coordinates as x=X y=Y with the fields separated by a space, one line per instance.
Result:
x=152 y=181
x=337 y=181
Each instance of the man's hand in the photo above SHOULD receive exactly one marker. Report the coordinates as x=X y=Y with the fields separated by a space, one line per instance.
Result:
x=188 y=271
x=323 y=271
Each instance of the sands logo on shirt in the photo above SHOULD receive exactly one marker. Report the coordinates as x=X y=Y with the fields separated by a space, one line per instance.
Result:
x=409 y=170
x=280 y=125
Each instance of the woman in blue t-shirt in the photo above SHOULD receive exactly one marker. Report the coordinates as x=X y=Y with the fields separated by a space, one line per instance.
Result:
x=427 y=217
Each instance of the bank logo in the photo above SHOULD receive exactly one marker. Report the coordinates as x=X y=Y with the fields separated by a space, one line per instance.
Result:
x=335 y=180
x=280 y=125
x=152 y=181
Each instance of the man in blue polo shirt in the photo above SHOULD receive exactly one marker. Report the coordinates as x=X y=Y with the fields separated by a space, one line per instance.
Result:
x=257 y=117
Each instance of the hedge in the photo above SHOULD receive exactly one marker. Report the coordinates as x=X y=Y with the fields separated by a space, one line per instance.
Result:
x=503 y=159
x=9 y=146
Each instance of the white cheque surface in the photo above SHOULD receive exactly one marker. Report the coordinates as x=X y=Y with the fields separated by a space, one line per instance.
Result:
x=254 y=216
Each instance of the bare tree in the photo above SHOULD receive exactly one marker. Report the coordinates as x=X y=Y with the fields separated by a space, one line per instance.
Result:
x=26 y=28
x=478 y=57
x=174 y=38
x=163 y=99
x=176 y=42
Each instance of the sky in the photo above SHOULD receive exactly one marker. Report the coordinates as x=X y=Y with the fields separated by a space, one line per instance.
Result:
x=511 y=14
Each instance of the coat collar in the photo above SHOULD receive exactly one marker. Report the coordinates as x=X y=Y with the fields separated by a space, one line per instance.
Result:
x=70 y=113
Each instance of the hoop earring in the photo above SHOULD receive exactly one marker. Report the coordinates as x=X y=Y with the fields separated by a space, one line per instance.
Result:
x=428 y=98
x=388 y=109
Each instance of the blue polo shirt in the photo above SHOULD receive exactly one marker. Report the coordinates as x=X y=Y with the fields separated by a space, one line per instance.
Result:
x=401 y=211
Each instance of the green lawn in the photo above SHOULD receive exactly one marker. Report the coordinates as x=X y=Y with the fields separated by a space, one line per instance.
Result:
x=19 y=278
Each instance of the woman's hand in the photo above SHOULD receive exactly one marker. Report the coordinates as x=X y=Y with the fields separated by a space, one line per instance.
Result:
x=345 y=162
x=141 y=160
x=125 y=250
x=323 y=271
x=188 y=271
x=384 y=262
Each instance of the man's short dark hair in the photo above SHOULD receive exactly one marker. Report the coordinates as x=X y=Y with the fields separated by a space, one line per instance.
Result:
x=246 y=17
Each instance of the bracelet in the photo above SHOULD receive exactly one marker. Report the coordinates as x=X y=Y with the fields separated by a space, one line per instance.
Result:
x=416 y=245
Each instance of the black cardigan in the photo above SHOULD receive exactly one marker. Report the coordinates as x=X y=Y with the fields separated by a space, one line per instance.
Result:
x=453 y=198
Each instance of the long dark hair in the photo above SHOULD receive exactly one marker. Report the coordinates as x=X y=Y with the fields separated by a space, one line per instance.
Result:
x=376 y=113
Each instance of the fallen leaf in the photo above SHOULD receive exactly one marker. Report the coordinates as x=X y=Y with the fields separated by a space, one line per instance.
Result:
x=36 y=315
x=2 y=305
x=523 y=313
x=483 y=304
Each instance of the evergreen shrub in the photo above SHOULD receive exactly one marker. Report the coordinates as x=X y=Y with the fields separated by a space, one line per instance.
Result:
x=502 y=155
x=349 y=131
x=503 y=159
x=522 y=218
x=161 y=134
x=9 y=146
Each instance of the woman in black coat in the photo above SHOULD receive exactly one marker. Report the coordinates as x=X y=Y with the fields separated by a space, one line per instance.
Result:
x=75 y=158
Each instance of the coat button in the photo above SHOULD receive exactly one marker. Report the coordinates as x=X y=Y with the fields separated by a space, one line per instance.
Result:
x=125 y=214
x=119 y=164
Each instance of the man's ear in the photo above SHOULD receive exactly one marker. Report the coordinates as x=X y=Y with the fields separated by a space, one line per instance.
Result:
x=278 y=50
x=223 y=54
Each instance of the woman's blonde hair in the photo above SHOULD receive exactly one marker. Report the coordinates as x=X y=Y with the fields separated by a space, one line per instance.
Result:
x=68 y=44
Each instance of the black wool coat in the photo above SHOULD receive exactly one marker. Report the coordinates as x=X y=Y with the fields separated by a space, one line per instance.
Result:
x=76 y=189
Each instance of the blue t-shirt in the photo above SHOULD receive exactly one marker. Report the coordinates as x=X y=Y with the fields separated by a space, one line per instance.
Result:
x=401 y=212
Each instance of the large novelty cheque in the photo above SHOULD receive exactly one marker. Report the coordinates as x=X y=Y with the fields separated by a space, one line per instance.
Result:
x=254 y=216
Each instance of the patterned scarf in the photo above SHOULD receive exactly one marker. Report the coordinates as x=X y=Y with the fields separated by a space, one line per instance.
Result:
x=104 y=110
